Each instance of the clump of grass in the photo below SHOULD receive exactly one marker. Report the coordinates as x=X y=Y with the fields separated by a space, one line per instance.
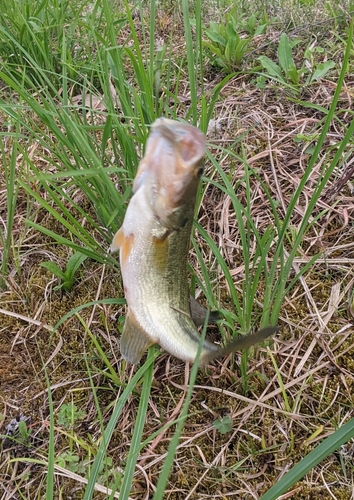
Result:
x=55 y=37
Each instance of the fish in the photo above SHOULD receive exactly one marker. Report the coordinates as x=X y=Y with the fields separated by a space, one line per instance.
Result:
x=153 y=244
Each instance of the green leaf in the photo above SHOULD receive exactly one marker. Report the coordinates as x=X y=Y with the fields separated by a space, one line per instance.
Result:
x=230 y=48
x=23 y=429
x=215 y=50
x=215 y=37
x=261 y=82
x=285 y=56
x=223 y=425
x=310 y=105
x=230 y=31
x=240 y=50
x=321 y=70
x=74 y=263
x=271 y=68
x=251 y=24
x=260 y=29
x=294 y=74
x=53 y=268
x=67 y=285
x=221 y=61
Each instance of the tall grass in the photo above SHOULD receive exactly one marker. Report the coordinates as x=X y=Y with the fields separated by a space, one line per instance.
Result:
x=82 y=153
x=11 y=174
x=94 y=152
x=53 y=34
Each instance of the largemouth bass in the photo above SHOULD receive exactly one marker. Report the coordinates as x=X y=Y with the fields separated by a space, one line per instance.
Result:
x=154 y=242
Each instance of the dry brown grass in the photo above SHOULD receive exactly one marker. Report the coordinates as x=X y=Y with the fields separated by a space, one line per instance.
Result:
x=314 y=351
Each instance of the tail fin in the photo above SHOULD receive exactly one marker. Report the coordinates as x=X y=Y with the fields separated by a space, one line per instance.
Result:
x=240 y=344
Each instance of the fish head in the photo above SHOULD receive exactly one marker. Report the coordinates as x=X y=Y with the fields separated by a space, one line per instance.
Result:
x=172 y=167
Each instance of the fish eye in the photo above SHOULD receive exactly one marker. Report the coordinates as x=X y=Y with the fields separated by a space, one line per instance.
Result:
x=200 y=171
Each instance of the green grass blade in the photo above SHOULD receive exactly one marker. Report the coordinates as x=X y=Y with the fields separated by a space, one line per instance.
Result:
x=134 y=448
x=281 y=383
x=100 y=351
x=191 y=60
x=49 y=493
x=224 y=269
x=50 y=471
x=77 y=309
x=9 y=169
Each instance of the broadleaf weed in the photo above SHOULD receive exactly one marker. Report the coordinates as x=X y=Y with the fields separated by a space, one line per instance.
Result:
x=226 y=44
x=67 y=276
x=286 y=72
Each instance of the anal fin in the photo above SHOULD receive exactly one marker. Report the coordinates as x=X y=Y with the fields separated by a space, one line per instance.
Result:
x=134 y=341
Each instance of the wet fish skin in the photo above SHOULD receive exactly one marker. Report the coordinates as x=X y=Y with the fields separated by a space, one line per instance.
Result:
x=154 y=242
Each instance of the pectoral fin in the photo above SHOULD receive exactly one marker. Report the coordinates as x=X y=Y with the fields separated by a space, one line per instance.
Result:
x=124 y=243
x=134 y=341
x=118 y=240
